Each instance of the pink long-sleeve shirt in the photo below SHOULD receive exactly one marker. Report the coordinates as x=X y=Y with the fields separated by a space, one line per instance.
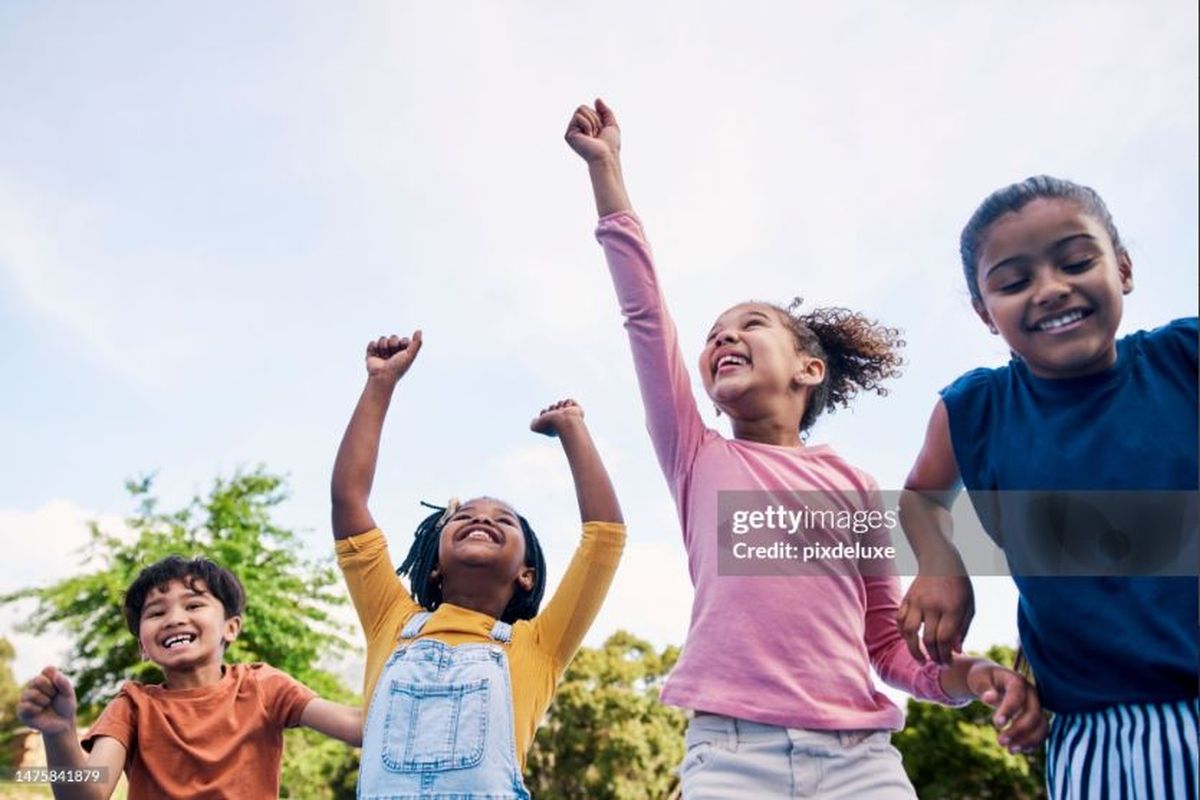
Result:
x=793 y=651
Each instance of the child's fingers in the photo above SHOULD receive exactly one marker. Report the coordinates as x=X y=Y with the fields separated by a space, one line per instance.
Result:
x=415 y=342
x=947 y=636
x=593 y=120
x=908 y=620
x=62 y=684
x=607 y=117
x=933 y=619
x=1012 y=689
x=1028 y=732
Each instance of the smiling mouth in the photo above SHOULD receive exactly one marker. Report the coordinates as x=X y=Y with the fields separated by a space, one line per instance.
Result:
x=728 y=362
x=479 y=533
x=1061 y=321
x=178 y=640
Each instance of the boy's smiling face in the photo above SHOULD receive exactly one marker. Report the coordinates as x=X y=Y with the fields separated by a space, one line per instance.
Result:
x=184 y=626
x=1052 y=285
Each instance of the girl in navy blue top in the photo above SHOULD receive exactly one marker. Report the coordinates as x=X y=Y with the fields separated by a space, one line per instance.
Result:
x=1076 y=410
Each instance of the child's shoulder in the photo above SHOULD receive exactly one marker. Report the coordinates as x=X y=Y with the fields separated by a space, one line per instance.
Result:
x=1177 y=338
x=975 y=380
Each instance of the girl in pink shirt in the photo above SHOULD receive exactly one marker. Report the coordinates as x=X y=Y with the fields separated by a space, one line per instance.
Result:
x=777 y=668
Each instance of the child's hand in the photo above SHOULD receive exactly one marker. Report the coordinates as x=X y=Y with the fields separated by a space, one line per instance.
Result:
x=593 y=133
x=47 y=703
x=552 y=420
x=1018 y=716
x=389 y=357
x=945 y=604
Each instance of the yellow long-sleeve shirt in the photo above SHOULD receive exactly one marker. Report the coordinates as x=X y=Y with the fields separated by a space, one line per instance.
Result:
x=541 y=648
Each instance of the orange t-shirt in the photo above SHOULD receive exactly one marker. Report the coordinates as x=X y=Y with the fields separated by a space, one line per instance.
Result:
x=218 y=742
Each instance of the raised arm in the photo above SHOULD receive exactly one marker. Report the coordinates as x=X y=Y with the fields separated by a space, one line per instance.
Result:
x=940 y=603
x=388 y=358
x=565 y=620
x=672 y=418
x=593 y=489
x=47 y=704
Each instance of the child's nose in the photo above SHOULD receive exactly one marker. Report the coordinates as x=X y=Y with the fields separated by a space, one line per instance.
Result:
x=1049 y=288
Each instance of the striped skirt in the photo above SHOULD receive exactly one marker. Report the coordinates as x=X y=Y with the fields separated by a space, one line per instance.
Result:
x=1126 y=752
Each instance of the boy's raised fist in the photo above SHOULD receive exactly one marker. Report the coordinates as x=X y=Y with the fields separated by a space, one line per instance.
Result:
x=47 y=703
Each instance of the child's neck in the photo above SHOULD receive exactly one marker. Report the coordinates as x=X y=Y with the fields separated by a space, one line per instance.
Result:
x=480 y=599
x=768 y=430
x=196 y=677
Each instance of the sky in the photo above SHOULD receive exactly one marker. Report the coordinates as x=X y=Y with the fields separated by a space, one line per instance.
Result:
x=206 y=212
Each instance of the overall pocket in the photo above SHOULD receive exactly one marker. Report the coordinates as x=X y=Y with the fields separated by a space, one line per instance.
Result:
x=435 y=726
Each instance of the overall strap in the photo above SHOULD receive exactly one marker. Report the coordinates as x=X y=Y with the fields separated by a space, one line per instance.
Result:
x=502 y=632
x=412 y=629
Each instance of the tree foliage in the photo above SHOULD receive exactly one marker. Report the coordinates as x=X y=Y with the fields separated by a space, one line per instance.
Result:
x=287 y=622
x=952 y=753
x=607 y=736
x=12 y=738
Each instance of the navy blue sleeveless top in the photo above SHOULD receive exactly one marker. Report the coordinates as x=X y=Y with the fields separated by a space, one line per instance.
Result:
x=1094 y=641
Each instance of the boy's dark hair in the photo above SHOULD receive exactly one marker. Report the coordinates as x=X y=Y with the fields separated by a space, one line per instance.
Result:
x=1013 y=198
x=859 y=354
x=220 y=582
x=423 y=557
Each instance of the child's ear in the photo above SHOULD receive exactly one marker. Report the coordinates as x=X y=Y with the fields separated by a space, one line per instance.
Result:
x=810 y=373
x=1125 y=270
x=435 y=578
x=233 y=626
x=526 y=578
x=985 y=316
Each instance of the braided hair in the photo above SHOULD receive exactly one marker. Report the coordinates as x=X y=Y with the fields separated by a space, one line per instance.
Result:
x=423 y=557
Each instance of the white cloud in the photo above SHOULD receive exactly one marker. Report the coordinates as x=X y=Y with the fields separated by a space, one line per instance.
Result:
x=50 y=538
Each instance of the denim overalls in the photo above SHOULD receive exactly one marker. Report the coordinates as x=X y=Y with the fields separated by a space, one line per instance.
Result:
x=440 y=724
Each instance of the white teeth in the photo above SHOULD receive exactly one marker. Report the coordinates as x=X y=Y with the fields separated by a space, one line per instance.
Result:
x=1058 y=322
x=177 y=640
x=731 y=358
x=479 y=534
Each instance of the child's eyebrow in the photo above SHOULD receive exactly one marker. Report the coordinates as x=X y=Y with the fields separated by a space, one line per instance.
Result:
x=1068 y=239
x=754 y=312
x=1013 y=261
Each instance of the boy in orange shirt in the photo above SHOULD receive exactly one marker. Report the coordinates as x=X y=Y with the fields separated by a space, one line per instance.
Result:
x=211 y=730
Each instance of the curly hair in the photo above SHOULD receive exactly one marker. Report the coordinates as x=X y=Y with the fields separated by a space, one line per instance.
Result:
x=859 y=354
x=422 y=558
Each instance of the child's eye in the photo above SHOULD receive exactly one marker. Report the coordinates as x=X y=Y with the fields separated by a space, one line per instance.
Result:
x=1013 y=286
x=194 y=606
x=1077 y=266
x=754 y=323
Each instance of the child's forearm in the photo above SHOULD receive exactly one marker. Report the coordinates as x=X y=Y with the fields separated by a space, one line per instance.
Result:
x=63 y=751
x=929 y=528
x=593 y=488
x=354 y=469
x=608 y=186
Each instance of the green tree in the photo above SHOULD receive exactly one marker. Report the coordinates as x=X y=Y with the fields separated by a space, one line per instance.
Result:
x=607 y=736
x=287 y=622
x=12 y=738
x=952 y=753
